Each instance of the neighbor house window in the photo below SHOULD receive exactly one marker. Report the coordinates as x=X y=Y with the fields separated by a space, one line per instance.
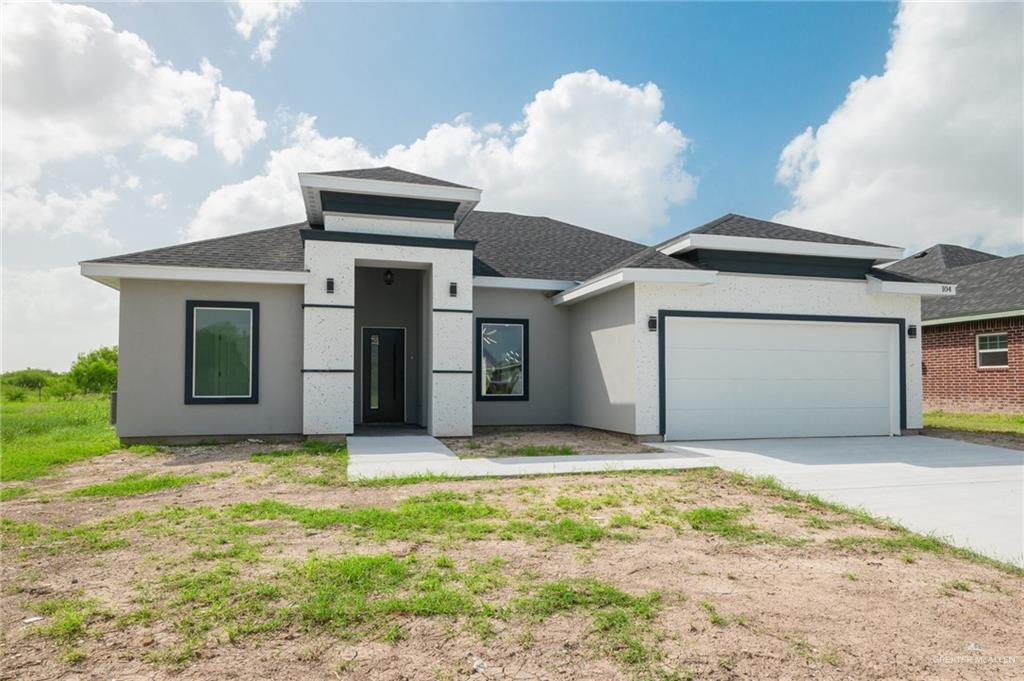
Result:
x=503 y=348
x=221 y=352
x=993 y=350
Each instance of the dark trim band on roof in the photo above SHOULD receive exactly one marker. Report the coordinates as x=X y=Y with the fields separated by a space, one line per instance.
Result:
x=396 y=206
x=327 y=371
x=443 y=309
x=386 y=239
x=339 y=307
x=899 y=321
x=452 y=371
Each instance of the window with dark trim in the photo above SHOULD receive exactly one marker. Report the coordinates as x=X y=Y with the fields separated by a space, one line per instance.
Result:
x=992 y=350
x=502 y=359
x=222 y=343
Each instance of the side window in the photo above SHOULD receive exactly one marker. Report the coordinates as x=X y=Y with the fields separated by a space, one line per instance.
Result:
x=993 y=350
x=221 y=352
x=503 y=348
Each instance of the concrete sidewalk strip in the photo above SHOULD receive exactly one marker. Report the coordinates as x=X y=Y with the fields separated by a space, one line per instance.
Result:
x=406 y=455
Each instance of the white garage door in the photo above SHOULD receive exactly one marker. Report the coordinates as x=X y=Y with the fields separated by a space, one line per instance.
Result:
x=743 y=378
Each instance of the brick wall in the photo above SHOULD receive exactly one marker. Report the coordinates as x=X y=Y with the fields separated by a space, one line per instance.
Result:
x=952 y=379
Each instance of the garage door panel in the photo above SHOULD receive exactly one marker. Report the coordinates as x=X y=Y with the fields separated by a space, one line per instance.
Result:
x=719 y=424
x=727 y=378
x=786 y=394
x=736 y=334
x=721 y=363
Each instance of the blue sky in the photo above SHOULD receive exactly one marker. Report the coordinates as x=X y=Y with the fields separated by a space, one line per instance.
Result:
x=163 y=122
x=739 y=79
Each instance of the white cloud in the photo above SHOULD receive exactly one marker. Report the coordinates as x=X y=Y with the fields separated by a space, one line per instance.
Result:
x=929 y=151
x=158 y=200
x=263 y=19
x=589 y=150
x=75 y=86
x=173 y=148
x=50 y=316
x=26 y=210
x=233 y=125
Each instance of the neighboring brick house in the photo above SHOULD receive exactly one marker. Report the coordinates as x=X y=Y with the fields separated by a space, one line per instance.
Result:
x=973 y=342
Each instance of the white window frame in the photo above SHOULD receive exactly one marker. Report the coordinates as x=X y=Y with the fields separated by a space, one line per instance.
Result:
x=978 y=352
x=195 y=329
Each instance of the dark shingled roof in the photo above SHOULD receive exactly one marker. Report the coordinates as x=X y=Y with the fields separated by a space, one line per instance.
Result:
x=740 y=225
x=934 y=261
x=508 y=245
x=277 y=248
x=985 y=283
x=511 y=245
x=389 y=174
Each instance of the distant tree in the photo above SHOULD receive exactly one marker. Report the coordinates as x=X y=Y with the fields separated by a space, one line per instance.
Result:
x=61 y=387
x=30 y=379
x=95 y=371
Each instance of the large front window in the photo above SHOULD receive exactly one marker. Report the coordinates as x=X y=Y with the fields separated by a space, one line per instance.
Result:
x=502 y=359
x=221 y=352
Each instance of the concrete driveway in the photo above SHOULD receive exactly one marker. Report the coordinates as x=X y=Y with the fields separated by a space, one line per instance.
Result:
x=970 y=494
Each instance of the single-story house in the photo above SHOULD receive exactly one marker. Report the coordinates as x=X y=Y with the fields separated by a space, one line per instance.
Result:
x=397 y=302
x=973 y=343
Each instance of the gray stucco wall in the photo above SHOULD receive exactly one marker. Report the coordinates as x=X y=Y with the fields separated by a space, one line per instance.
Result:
x=603 y=370
x=151 y=377
x=548 y=361
x=382 y=306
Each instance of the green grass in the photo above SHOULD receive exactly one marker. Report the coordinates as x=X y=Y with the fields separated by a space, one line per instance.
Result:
x=537 y=450
x=330 y=460
x=713 y=615
x=134 y=484
x=38 y=436
x=8 y=493
x=69 y=617
x=724 y=522
x=436 y=513
x=621 y=622
x=978 y=423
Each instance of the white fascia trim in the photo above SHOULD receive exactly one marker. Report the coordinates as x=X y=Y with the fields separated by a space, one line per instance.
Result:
x=973 y=318
x=386 y=188
x=631 y=275
x=110 y=274
x=523 y=284
x=876 y=285
x=311 y=184
x=718 y=242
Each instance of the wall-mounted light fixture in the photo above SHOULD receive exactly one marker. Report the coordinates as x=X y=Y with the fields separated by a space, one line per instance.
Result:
x=389 y=277
x=330 y=285
x=912 y=331
x=652 y=323
x=453 y=289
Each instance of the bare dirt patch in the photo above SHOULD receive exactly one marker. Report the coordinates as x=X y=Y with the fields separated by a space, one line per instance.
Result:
x=544 y=578
x=1005 y=440
x=543 y=441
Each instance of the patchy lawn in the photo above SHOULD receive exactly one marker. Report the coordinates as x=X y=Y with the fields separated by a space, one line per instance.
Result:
x=542 y=441
x=38 y=436
x=978 y=423
x=264 y=558
x=997 y=430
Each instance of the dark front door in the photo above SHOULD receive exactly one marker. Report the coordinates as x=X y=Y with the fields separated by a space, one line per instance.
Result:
x=383 y=375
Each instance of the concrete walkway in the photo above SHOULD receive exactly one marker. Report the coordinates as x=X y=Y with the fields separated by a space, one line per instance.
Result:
x=401 y=455
x=970 y=494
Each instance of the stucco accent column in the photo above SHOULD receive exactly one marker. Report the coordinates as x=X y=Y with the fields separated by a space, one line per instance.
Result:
x=452 y=347
x=327 y=332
